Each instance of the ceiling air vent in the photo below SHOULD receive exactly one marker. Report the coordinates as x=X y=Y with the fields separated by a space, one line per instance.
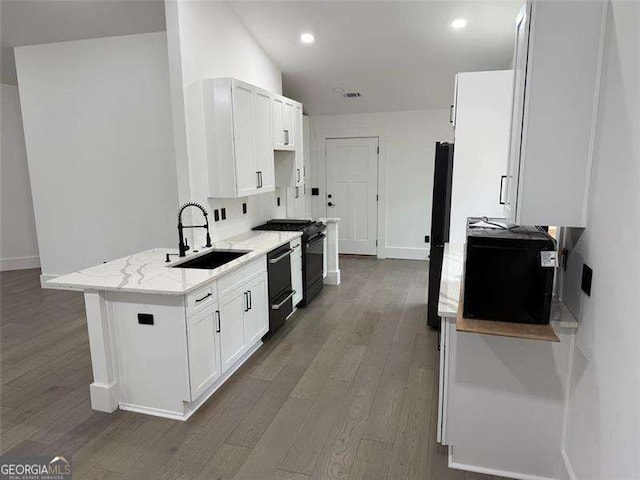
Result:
x=351 y=95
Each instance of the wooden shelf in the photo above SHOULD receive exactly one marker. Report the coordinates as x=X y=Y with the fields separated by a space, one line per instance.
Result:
x=527 y=331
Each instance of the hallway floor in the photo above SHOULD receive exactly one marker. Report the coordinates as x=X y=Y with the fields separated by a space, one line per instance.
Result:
x=347 y=389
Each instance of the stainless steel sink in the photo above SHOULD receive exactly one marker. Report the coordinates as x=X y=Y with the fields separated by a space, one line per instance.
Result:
x=213 y=259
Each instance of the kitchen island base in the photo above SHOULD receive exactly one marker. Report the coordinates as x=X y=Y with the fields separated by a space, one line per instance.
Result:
x=151 y=355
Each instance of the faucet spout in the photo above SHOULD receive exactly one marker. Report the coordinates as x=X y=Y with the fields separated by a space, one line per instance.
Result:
x=183 y=246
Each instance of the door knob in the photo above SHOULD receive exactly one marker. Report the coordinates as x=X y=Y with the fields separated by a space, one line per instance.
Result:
x=330 y=204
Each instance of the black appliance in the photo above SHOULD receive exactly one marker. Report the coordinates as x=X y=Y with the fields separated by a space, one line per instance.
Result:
x=312 y=252
x=505 y=277
x=280 y=291
x=440 y=217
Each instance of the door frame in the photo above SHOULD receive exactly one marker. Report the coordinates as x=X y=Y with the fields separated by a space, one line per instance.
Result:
x=319 y=147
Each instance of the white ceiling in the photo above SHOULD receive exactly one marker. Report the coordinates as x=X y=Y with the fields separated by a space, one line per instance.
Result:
x=400 y=55
x=31 y=22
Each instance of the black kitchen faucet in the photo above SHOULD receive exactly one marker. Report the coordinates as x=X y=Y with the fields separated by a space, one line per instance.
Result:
x=182 y=245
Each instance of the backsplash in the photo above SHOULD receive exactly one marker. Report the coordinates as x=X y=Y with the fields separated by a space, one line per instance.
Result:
x=260 y=208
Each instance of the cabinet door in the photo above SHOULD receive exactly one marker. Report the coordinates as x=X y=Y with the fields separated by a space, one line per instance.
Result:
x=296 y=272
x=289 y=124
x=263 y=151
x=256 y=318
x=517 y=115
x=299 y=146
x=204 y=350
x=231 y=328
x=243 y=139
x=277 y=121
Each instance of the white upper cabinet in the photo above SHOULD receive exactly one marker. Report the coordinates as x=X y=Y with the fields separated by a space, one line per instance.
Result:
x=483 y=120
x=288 y=142
x=283 y=122
x=557 y=63
x=299 y=146
x=237 y=134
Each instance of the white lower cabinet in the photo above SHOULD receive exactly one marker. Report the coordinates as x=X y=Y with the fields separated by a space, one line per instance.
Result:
x=204 y=351
x=231 y=327
x=219 y=334
x=256 y=314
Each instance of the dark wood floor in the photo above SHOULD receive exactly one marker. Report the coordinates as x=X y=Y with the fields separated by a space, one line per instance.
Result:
x=346 y=390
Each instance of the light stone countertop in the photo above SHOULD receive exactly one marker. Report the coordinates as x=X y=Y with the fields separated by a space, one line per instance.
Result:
x=452 y=273
x=147 y=272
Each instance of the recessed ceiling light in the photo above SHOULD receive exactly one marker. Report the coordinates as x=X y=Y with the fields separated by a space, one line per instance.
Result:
x=307 y=38
x=459 y=23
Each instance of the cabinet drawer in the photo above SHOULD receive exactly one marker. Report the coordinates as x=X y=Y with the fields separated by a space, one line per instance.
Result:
x=201 y=298
x=232 y=280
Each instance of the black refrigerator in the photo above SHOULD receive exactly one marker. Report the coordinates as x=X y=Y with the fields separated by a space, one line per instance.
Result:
x=440 y=216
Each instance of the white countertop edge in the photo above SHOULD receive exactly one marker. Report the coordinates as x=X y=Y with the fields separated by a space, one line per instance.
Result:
x=188 y=279
x=329 y=219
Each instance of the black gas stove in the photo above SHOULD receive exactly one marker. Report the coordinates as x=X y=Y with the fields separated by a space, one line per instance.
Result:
x=312 y=252
x=309 y=228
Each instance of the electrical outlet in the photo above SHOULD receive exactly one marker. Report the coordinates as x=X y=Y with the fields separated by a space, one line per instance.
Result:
x=223 y=213
x=587 y=276
x=216 y=215
x=427 y=239
x=244 y=208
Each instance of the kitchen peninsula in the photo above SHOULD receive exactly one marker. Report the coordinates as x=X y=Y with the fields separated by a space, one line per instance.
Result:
x=164 y=338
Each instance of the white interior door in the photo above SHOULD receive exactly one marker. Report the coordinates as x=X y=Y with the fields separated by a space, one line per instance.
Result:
x=352 y=190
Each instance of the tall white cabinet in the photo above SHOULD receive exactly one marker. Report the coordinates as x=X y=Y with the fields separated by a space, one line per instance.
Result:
x=557 y=62
x=482 y=114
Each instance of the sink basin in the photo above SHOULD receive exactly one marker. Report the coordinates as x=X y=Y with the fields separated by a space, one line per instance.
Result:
x=213 y=259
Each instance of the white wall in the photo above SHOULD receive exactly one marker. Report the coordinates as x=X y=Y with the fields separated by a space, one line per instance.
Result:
x=407 y=150
x=603 y=436
x=481 y=147
x=207 y=40
x=97 y=123
x=18 y=242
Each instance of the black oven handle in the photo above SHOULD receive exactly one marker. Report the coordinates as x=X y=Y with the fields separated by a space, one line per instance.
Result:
x=280 y=257
x=277 y=306
x=315 y=238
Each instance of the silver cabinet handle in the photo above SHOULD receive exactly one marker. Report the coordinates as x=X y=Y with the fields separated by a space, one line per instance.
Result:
x=277 y=306
x=286 y=137
x=277 y=259
x=218 y=315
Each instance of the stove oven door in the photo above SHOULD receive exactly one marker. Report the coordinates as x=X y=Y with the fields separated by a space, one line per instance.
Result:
x=313 y=266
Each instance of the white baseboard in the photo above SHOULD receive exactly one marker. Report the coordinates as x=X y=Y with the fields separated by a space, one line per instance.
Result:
x=332 y=278
x=19 y=263
x=492 y=471
x=567 y=466
x=404 y=253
